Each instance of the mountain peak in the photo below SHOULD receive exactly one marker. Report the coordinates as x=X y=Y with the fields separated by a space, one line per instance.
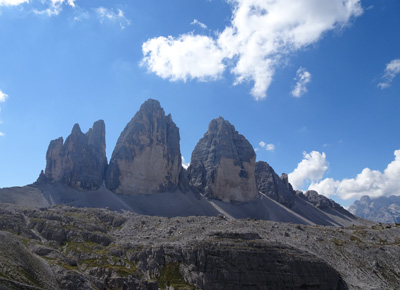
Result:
x=76 y=129
x=223 y=163
x=147 y=156
x=80 y=162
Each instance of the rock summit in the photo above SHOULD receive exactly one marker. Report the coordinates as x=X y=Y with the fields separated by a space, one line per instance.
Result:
x=81 y=161
x=223 y=164
x=147 y=157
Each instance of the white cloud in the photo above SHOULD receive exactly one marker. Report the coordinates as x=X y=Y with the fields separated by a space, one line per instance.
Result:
x=184 y=164
x=303 y=77
x=310 y=170
x=268 y=147
x=196 y=22
x=260 y=35
x=12 y=2
x=391 y=71
x=3 y=98
x=117 y=16
x=369 y=182
x=54 y=7
x=186 y=57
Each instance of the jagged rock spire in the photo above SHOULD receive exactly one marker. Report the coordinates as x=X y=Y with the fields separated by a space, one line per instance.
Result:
x=223 y=163
x=147 y=157
x=81 y=161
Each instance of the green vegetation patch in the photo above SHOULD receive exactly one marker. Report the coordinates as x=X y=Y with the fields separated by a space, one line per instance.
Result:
x=83 y=247
x=171 y=276
x=122 y=267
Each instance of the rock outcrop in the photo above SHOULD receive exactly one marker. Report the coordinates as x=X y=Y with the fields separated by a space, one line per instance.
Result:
x=318 y=200
x=273 y=186
x=81 y=161
x=382 y=209
x=146 y=174
x=70 y=248
x=223 y=164
x=147 y=157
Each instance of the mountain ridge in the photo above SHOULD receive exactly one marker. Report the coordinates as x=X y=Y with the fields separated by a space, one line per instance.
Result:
x=384 y=209
x=145 y=175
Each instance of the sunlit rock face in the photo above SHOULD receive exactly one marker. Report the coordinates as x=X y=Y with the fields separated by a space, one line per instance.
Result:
x=147 y=157
x=81 y=161
x=223 y=164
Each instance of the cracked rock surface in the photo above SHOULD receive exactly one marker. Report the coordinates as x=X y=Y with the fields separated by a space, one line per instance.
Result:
x=70 y=248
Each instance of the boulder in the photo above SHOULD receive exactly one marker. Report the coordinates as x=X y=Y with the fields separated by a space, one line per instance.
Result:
x=147 y=157
x=81 y=161
x=223 y=164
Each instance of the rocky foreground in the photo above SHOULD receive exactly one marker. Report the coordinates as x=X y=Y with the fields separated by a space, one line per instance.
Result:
x=70 y=248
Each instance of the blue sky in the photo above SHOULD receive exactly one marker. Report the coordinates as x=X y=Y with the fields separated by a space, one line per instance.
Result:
x=313 y=85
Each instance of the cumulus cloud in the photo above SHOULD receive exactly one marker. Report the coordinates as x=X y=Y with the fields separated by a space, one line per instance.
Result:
x=369 y=182
x=268 y=147
x=111 y=15
x=303 y=77
x=391 y=71
x=310 y=170
x=260 y=35
x=12 y=2
x=186 y=57
x=196 y=22
x=3 y=98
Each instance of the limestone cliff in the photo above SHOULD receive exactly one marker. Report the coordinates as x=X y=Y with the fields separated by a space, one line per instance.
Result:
x=147 y=157
x=81 y=161
x=223 y=163
x=275 y=187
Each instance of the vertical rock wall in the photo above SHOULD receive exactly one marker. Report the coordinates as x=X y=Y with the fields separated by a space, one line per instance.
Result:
x=275 y=187
x=223 y=164
x=81 y=161
x=147 y=157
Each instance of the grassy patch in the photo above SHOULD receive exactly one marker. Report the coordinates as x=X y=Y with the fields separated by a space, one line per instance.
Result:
x=83 y=247
x=124 y=267
x=171 y=276
x=54 y=261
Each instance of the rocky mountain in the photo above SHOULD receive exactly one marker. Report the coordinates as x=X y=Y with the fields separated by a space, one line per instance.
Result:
x=273 y=186
x=382 y=209
x=145 y=176
x=318 y=200
x=147 y=157
x=223 y=164
x=70 y=248
x=81 y=161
